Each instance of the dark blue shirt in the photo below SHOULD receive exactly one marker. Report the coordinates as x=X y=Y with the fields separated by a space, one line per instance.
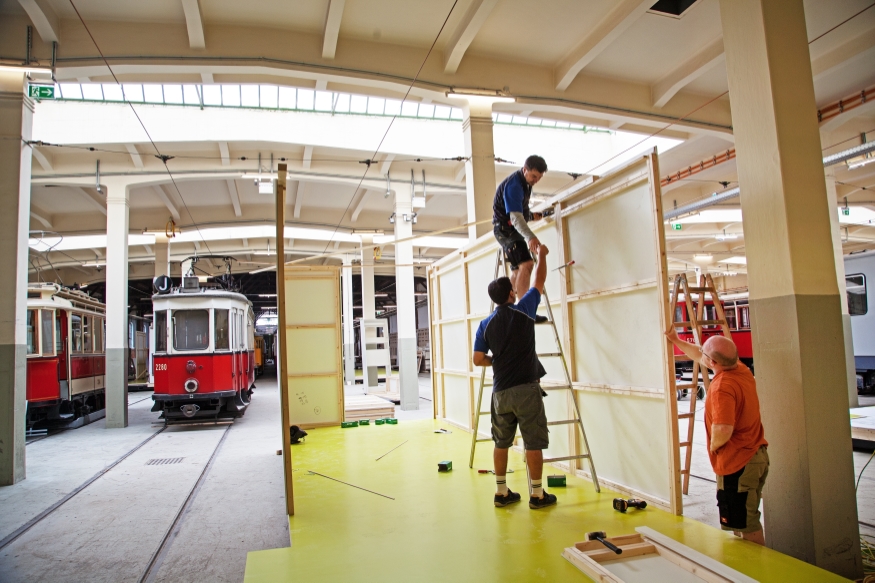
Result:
x=509 y=332
x=511 y=196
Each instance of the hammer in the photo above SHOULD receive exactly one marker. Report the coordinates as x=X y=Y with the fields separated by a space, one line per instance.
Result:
x=600 y=536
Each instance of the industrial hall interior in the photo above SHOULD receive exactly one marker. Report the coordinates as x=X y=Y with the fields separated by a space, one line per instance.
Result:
x=437 y=290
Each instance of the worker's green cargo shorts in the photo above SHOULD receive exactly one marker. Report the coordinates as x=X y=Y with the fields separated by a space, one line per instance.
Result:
x=521 y=405
x=739 y=494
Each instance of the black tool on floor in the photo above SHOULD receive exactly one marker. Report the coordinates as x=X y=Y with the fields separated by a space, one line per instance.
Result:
x=600 y=536
x=623 y=505
x=297 y=434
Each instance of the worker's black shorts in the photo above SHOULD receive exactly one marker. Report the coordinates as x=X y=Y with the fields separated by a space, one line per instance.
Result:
x=521 y=405
x=514 y=245
x=739 y=494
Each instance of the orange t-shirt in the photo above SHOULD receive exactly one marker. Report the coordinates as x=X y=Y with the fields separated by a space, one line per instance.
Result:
x=732 y=400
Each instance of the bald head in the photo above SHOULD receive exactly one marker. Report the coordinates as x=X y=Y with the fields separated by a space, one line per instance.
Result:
x=721 y=350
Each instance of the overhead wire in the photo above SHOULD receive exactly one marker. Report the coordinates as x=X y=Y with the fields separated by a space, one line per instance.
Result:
x=158 y=153
x=391 y=122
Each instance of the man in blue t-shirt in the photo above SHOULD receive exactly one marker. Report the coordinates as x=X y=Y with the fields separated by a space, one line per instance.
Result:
x=510 y=221
x=517 y=398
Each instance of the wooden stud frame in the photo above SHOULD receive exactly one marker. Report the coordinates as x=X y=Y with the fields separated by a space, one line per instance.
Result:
x=649 y=290
x=282 y=349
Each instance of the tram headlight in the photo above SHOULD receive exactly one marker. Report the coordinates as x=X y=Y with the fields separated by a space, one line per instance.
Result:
x=190 y=385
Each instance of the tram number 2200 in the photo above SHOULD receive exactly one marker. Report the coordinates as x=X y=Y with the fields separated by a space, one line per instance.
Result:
x=160 y=366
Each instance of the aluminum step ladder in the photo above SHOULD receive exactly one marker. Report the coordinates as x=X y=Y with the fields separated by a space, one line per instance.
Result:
x=565 y=387
x=696 y=312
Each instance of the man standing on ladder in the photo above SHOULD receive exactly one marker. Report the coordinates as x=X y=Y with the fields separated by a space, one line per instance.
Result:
x=517 y=398
x=510 y=217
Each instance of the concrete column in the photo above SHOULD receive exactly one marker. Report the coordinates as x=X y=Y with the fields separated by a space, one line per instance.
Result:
x=369 y=310
x=809 y=501
x=348 y=319
x=162 y=255
x=117 y=220
x=480 y=167
x=16 y=121
x=405 y=300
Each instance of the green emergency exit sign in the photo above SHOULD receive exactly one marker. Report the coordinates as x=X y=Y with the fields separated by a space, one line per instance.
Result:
x=846 y=211
x=676 y=226
x=41 y=91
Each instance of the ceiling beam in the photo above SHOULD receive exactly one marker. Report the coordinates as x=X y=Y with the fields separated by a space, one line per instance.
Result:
x=838 y=121
x=195 y=24
x=615 y=23
x=362 y=194
x=332 y=28
x=386 y=164
x=666 y=88
x=43 y=160
x=44 y=19
x=207 y=78
x=165 y=198
x=235 y=196
x=460 y=172
x=226 y=155
x=308 y=157
x=299 y=198
x=41 y=216
x=96 y=201
x=135 y=155
x=842 y=54
x=474 y=18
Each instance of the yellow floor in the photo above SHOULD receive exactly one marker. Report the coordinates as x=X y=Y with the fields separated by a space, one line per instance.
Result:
x=443 y=526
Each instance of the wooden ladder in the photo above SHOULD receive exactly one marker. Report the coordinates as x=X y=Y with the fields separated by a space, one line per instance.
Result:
x=697 y=321
x=567 y=386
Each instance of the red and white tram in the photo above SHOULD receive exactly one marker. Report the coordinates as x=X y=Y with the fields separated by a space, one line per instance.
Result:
x=204 y=355
x=66 y=354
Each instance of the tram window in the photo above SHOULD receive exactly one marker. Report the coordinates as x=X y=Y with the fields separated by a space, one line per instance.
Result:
x=743 y=317
x=76 y=326
x=32 y=333
x=191 y=329
x=240 y=330
x=222 y=339
x=98 y=335
x=731 y=319
x=161 y=331
x=59 y=346
x=46 y=328
x=857 y=302
x=87 y=323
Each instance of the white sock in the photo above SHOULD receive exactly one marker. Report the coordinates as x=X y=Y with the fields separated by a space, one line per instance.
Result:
x=537 y=489
x=501 y=482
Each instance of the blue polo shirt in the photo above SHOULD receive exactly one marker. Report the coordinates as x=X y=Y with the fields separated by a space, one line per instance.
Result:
x=511 y=196
x=509 y=333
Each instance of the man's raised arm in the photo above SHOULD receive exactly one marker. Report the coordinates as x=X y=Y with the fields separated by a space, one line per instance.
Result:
x=541 y=269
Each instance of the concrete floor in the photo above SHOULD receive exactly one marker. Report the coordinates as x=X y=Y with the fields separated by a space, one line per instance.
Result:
x=109 y=531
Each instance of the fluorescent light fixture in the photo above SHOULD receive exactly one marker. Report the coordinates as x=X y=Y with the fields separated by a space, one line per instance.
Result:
x=703 y=257
x=267 y=295
x=738 y=260
x=421 y=294
x=203 y=278
x=389 y=306
x=860 y=164
x=26 y=69
x=381 y=295
x=367 y=232
x=490 y=95
x=260 y=175
x=713 y=216
x=265 y=186
x=94 y=264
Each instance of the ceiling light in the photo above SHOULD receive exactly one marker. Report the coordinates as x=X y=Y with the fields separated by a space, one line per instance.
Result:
x=267 y=295
x=860 y=164
x=480 y=94
x=381 y=295
x=260 y=175
x=94 y=264
x=26 y=69
x=367 y=232
x=265 y=186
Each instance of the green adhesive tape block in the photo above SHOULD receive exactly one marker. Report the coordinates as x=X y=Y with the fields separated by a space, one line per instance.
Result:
x=379 y=421
x=445 y=466
x=556 y=481
x=365 y=422
x=346 y=424
x=392 y=421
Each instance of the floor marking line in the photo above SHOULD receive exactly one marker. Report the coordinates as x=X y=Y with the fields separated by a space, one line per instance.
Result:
x=390 y=451
x=348 y=484
x=173 y=530
x=36 y=519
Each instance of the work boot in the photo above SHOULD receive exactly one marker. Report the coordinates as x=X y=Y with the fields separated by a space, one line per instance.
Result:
x=547 y=500
x=502 y=501
x=540 y=319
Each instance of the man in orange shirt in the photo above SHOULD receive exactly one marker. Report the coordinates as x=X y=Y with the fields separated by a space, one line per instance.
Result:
x=735 y=434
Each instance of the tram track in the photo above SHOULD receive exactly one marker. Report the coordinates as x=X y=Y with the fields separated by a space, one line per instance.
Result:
x=10 y=538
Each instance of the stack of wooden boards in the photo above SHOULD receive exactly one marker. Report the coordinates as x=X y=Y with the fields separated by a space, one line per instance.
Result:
x=649 y=556
x=367 y=407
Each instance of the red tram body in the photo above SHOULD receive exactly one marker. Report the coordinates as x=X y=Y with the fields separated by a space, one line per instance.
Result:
x=203 y=364
x=737 y=317
x=66 y=354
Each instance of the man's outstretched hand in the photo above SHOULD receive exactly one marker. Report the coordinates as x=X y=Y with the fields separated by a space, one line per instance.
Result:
x=534 y=243
x=542 y=252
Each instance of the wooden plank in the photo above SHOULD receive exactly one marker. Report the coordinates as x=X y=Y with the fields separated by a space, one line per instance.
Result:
x=634 y=550
x=282 y=361
x=628 y=287
x=660 y=540
x=623 y=539
x=590 y=567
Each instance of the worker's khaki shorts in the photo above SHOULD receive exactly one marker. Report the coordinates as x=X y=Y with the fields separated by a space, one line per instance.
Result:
x=523 y=405
x=739 y=494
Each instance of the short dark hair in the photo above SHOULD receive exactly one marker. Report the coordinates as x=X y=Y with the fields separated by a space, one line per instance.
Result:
x=536 y=163
x=499 y=290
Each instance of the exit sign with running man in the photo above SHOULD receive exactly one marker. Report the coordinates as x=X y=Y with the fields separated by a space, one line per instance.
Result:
x=41 y=91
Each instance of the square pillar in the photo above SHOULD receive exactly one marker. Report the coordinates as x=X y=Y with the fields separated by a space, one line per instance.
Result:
x=162 y=255
x=117 y=221
x=480 y=167
x=370 y=375
x=348 y=320
x=406 y=301
x=809 y=502
x=16 y=122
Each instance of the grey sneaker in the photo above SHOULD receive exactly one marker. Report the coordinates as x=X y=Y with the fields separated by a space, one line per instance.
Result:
x=501 y=501
x=547 y=500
